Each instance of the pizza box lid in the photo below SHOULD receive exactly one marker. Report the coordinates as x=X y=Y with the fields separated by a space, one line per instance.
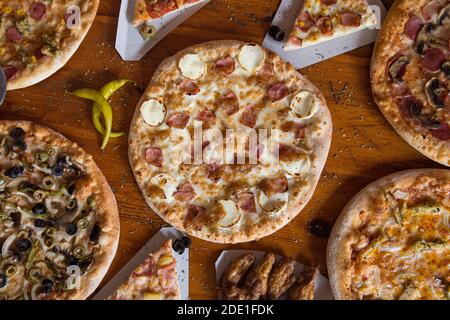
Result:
x=131 y=45
x=322 y=289
x=153 y=244
x=303 y=57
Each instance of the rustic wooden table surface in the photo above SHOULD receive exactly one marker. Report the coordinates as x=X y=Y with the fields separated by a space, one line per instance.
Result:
x=364 y=146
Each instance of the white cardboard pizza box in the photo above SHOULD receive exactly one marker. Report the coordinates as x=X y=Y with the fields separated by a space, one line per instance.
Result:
x=131 y=45
x=322 y=287
x=303 y=57
x=153 y=244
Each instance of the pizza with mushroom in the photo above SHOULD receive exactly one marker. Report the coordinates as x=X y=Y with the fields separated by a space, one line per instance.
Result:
x=411 y=72
x=148 y=10
x=228 y=141
x=392 y=240
x=38 y=37
x=59 y=222
x=323 y=20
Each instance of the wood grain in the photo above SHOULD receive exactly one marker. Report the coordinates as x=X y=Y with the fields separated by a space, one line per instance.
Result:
x=364 y=146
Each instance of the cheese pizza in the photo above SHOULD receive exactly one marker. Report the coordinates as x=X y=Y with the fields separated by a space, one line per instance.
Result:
x=411 y=72
x=155 y=279
x=392 y=241
x=59 y=222
x=38 y=37
x=323 y=20
x=228 y=141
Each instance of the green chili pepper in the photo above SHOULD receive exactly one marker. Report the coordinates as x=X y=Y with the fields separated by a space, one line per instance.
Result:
x=105 y=108
x=107 y=91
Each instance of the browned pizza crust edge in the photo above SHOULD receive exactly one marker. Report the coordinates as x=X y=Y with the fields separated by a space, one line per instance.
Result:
x=110 y=223
x=338 y=249
x=386 y=46
x=43 y=70
x=322 y=143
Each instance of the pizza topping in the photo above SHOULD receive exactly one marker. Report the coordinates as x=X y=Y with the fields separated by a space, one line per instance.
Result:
x=226 y=65
x=436 y=92
x=305 y=22
x=278 y=92
x=9 y=71
x=298 y=129
x=208 y=117
x=185 y=192
x=294 y=161
x=397 y=70
x=351 y=19
x=274 y=185
x=13 y=34
x=431 y=9
x=272 y=204
x=304 y=105
x=189 y=87
x=246 y=201
x=433 y=59
x=215 y=171
x=251 y=57
x=249 y=116
x=442 y=132
x=153 y=156
x=325 y=25
x=445 y=68
x=410 y=106
x=413 y=26
x=153 y=112
x=230 y=103
x=230 y=213
x=38 y=10
x=328 y=2
x=178 y=120
x=192 y=66
x=276 y=33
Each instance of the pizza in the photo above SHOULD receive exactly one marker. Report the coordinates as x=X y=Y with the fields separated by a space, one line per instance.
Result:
x=411 y=72
x=155 y=279
x=392 y=241
x=38 y=37
x=148 y=10
x=228 y=141
x=323 y=20
x=59 y=222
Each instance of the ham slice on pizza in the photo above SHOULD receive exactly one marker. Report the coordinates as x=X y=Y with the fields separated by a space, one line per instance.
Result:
x=148 y=10
x=323 y=20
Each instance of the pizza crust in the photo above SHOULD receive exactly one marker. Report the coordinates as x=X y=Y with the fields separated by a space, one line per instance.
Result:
x=320 y=141
x=49 y=65
x=107 y=206
x=339 y=260
x=389 y=39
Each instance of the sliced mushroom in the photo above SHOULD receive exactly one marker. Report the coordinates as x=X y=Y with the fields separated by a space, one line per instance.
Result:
x=397 y=69
x=443 y=18
x=422 y=39
x=436 y=93
x=445 y=68
x=232 y=214
x=429 y=123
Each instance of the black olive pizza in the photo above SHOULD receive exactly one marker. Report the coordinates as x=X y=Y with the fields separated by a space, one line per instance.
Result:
x=238 y=94
x=37 y=37
x=59 y=223
x=392 y=241
x=411 y=74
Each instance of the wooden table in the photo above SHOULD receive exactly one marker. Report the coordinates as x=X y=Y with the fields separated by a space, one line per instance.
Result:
x=364 y=146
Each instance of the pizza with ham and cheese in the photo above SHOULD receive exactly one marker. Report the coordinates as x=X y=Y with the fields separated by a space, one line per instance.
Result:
x=323 y=20
x=155 y=279
x=148 y=10
x=38 y=37
x=230 y=90
x=392 y=241
x=411 y=72
x=59 y=221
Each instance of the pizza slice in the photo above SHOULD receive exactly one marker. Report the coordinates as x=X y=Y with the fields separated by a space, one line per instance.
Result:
x=148 y=10
x=323 y=20
x=155 y=279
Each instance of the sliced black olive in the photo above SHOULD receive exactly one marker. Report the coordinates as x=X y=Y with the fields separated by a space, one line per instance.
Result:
x=95 y=233
x=58 y=170
x=178 y=246
x=40 y=223
x=23 y=245
x=446 y=69
x=3 y=280
x=436 y=93
x=429 y=123
x=17 y=133
x=276 y=33
x=14 y=172
x=71 y=228
x=72 y=261
x=39 y=208
x=16 y=217
x=19 y=146
x=47 y=286
x=186 y=241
